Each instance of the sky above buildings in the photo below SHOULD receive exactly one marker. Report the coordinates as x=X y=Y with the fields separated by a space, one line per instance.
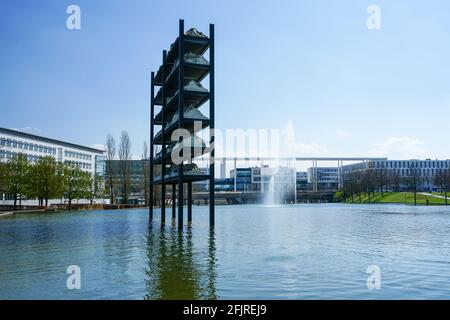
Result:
x=311 y=69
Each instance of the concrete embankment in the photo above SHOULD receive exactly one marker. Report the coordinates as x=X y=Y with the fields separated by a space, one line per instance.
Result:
x=4 y=214
x=10 y=213
x=84 y=207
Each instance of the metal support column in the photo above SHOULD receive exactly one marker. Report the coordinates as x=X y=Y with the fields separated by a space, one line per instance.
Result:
x=174 y=201
x=235 y=176
x=211 y=128
x=340 y=178
x=152 y=115
x=295 y=187
x=163 y=164
x=180 y=119
x=189 y=201
x=261 y=177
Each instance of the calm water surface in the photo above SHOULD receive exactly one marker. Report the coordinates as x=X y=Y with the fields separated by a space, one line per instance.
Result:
x=255 y=252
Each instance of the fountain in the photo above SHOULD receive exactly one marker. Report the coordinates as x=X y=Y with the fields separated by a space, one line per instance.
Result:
x=269 y=197
x=281 y=187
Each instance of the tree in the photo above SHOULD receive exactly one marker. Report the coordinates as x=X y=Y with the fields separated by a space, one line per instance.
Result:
x=77 y=184
x=428 y=180
x=446 y=184
x=97 y=187
x=381 y=180
x=368 y=182
x=45 y=180
x=350 y=185
x=145 y=173
x=442 y=180
x=15 y=177
x=395 y=180
x=124 y=164
x=338 y=196
x=110 y=156
x=3 y=177
x=414 y=179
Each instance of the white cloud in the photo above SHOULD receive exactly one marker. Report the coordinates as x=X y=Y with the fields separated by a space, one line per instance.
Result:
x=400 y=148
x=342 y=133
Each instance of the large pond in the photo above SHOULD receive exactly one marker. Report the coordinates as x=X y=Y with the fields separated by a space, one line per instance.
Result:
x=254 y=252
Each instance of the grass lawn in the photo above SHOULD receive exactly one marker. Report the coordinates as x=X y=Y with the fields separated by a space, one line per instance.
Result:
x=398 y=197
x=439 y=194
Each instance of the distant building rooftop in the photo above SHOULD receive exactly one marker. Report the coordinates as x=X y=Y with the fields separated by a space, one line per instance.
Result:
x=48 y=140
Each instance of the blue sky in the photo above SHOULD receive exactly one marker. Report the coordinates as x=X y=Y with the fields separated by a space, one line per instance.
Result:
x=310 y=66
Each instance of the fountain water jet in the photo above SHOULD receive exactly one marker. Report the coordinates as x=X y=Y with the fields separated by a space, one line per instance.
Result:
x=281 y=187
x=269 y=199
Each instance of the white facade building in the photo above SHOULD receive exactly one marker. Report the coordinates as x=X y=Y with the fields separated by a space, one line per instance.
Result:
x=14 y=142
x=35 y=147
x=425 y=169
x=402 y=167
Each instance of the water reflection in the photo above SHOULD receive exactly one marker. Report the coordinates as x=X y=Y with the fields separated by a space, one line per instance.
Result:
x=177 y=268
x=288 y=252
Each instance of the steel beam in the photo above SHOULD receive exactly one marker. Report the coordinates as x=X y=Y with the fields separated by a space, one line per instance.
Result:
x=152 y=115
x=163 y=152
x=211 y=128
x=180 y=118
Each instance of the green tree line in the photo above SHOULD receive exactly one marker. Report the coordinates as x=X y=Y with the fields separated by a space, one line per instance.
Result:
x=369 y=181
x=46 y=179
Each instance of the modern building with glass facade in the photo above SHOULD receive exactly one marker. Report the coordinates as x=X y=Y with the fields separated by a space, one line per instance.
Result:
x=14 y=142
x=323 y=178
x=134 y=173
x=302 y=181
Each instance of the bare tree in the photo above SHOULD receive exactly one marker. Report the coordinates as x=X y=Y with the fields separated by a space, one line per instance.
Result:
x=359 y=187
x=124 y=164
x=442 y=180
x=414 y=180
x=395 y=180
x=110 y=156
x=446 y=184
x=145 y=172
x=368 y=182
x=351 y=185
x=438 y=180
x=381 y=180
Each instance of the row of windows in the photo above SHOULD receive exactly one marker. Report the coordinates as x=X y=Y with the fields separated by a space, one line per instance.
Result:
x=12 y=154
x=420 y=172
x=79 y=165
x=265 y=179
x=33 y=158
x=77 y=155
x=407 y=172
x=328 y=170
x=412 y=164
x=11 y=143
